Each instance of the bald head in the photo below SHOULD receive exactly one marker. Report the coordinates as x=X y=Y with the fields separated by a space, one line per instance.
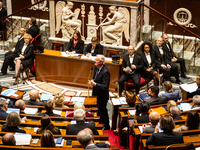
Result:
x=159 y=41
x=20 y=104
x=85 y=138
x=9 y=139
x=154 y=117
x=34 y=94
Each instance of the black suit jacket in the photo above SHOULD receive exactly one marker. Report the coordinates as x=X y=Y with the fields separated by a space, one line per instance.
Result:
x=11 y=129
x=73 y=129
x=145 y=62
x=79 y=46
x=3 y=13
x=97 y=49
x=156 y=100
x=164 y=138
x=169 y=51
x=28 y=54
x=49 y=114
x=33 y=102
x=3 y=114
x=136 y=61
x=33 y=31
x=160 y=60
x=101 y=90
x=144 y=118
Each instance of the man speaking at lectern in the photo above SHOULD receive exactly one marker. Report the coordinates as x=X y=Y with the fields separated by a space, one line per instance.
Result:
x=100 y=83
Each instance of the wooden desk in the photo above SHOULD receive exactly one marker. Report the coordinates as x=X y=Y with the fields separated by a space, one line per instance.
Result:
x=19 y=93
x=52 y=67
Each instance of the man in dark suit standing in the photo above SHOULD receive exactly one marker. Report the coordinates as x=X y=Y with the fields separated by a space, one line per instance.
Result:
x=33 y=30
x=155 y=100
x=3 y=109
x=172 y=58
x=3 y=13
x=131 y=66
x=100 y=83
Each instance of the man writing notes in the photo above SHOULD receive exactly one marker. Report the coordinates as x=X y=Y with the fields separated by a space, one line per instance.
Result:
x=172 y=58
x=100 y=83
x=131 y=66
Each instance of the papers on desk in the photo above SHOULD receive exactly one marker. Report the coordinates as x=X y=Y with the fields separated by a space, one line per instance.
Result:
x=108 y=59
x=119 y=101
x=58 y=112
x=45 y=97
x=9 y=110
x=184 y=106
x=78 y=99
x=64 y=54
x=132 y=112
x=67 y=99
x=35 y=129
x=30 y=111
x=74 y=122
x=141 y=129
x=22 y=139
x=144 y=96
x=8 y=92
x=189 y=87
x=61 y=144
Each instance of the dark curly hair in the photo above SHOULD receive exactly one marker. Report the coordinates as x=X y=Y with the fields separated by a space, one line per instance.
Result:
x=146 y=43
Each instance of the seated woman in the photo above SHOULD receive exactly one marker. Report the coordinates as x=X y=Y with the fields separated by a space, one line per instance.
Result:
x=76 y=44
x=47 y=139
x=167 y=137
x=143 y=112
x=198 y=85
x=170 y=94
x=47 y=125
x=59 y=99
x=12 y=123
x=80 y=106
x=149 y=63
x=93 y=48
x=25 y=58
x=192 y=122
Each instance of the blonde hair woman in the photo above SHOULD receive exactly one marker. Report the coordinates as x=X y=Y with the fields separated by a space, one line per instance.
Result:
x=59 y=100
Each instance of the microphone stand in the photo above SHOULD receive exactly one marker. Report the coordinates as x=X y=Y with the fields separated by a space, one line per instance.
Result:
x=88 y=82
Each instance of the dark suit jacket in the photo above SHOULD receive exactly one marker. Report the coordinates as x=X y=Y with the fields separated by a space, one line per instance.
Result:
x=136 y=61
x=92 y=147
x=160 y=60
x=19 y=43
x=79 y=46
x=3 y=13
x=149 y=129
x=3 y=114
x=164 y=138
x=49 y=114
x=198 y=91
x=169 y=52
x=28 y=54
x=156 y=100
x=12 y=129
x=33 y=102
x=145 y=62
x=33 y=31
x=144 y=118
x=101 y=90
x=73 y=129
x=97 y=49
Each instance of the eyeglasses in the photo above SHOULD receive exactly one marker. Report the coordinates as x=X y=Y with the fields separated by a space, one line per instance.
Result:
x=131 y=49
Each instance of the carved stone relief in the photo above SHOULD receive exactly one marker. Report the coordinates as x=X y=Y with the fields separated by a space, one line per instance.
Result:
x=40 y=6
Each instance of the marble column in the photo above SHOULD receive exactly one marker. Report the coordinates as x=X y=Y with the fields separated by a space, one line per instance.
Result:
x=52 y=17
x=146 y=12
x=133 y=26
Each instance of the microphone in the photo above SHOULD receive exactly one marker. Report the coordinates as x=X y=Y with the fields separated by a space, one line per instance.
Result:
x=88 y=80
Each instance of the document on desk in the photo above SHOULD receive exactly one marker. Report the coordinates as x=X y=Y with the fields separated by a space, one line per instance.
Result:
x=60 y=145
x=45 y=97
x=108 y=59
x=78 y=99
x=8 y=92
x=64 y=54
x=22 y=139
x=132 y=112
x=58 y=112
x=184 y=106
x=9 y=110
x=119 y=101
x=189 y=87
x=31 y=111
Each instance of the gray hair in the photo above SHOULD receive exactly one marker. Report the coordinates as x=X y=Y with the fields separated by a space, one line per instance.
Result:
x=13 y=119
x=196 y=99
x=34 y=94
x=19 y=104
x=79 y=114
x=175 y=111
x=8 y=139
x=102 y=58
x=84 y=137
x=2 y=101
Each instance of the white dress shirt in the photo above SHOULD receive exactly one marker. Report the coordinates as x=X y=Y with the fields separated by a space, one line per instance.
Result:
x=148 y=57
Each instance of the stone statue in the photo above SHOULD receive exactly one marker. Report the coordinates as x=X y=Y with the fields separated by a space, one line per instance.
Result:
x=69 y=20
x=119 y=23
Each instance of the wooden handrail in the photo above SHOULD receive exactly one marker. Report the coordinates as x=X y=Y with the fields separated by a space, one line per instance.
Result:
x=171 y=20
x=22 y=9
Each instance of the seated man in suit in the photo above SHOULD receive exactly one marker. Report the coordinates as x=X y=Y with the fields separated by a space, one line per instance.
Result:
x=175 y=113
x=154 y=118
x=9 y=139
x=33 y=30
x=196 y=102
x=3 y=108
x=34 y=98
x=154 y=100
x=85 y=139
x=49 y=106
x=18 y=44
x=172 y=58
x=21 y=105
x=131 y=66
x=79 y=116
